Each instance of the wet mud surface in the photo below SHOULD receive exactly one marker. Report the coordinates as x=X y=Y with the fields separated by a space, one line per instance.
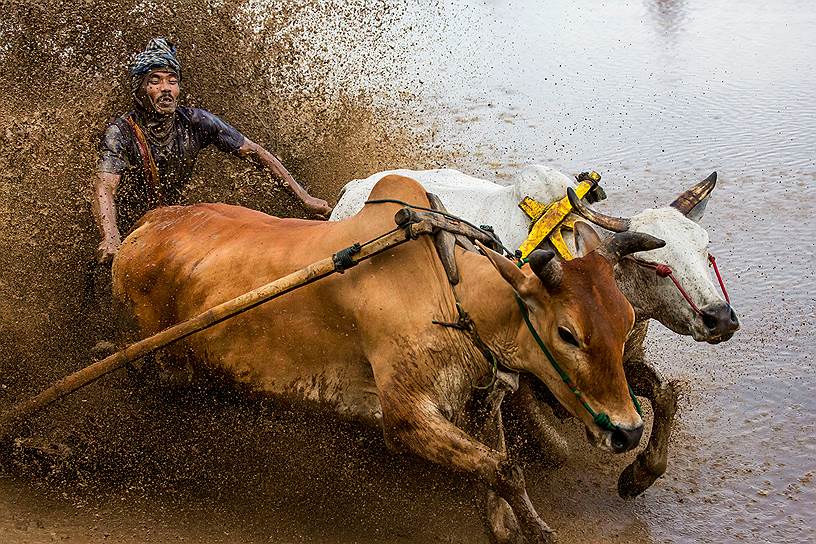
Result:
x=654 y=95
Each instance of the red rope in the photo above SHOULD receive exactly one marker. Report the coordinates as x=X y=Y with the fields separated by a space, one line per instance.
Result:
x=665 y=271
x=713 y=262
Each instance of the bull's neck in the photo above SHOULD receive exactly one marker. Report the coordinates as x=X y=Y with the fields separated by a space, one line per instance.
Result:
x=490 y=302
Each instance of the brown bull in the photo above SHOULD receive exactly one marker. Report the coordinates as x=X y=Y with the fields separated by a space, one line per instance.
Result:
x=365 y=343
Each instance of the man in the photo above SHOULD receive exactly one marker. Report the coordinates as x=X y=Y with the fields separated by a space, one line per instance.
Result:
x=147 y=155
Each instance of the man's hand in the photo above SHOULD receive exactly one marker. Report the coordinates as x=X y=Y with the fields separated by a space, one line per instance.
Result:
x=317 y=206
x=107 y=249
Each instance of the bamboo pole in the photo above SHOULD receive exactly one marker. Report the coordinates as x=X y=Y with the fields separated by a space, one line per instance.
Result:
x=204 y=320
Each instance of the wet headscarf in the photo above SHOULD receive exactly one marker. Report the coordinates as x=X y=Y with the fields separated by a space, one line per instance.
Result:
x=158 y=55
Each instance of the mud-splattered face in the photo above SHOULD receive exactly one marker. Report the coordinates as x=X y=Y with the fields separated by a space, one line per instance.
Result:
x=160 y=91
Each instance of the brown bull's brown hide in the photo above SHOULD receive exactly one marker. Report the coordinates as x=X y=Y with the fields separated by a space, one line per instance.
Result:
x=363 y=342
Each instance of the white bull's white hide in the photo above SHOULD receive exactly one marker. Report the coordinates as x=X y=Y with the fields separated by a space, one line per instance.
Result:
x=484 y=202
x=476 y=200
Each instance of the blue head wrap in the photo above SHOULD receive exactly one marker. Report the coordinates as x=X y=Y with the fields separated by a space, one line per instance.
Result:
x=158 y=55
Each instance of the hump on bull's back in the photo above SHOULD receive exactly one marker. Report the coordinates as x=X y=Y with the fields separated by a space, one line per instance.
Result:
x=398 y=187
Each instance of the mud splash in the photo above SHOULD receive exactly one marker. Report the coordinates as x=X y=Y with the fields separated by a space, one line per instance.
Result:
x=316 y=82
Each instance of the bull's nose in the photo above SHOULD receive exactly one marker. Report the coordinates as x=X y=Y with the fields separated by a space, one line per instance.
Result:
x=720 y=319
x=626 y=439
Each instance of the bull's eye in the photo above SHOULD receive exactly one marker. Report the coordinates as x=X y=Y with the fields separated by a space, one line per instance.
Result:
x=567 y=336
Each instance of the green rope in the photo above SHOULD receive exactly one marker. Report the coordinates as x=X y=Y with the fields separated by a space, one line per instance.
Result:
x=601 y=419
x=494 y=367
x=635 y=401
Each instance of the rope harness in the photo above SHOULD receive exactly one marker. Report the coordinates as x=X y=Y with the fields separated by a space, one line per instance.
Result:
x=665 y=271
x=465 y=323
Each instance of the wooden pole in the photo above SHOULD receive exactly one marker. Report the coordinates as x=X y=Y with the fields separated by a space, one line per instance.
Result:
x=213 y=316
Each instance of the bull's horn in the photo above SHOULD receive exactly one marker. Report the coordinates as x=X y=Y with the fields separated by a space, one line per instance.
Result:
x=548 y=269
x=691 y=198
x=609 y=222
x=626 y=243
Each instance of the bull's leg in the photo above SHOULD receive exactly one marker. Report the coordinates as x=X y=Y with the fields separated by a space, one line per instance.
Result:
x=650 y=464
x=533 y=423
x=501 y=522
x=419 y=425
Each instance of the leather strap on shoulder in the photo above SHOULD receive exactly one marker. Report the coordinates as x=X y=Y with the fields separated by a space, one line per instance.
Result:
x=150 y=169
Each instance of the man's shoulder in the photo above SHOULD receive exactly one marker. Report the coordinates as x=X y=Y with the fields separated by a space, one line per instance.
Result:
x=116 y=126
x=195 y=115
x=120 y=119
x=212 y=128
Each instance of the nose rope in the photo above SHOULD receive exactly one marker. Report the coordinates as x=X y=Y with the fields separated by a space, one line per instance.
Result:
x=713 y=262
x=601 y=419
x=665 y=271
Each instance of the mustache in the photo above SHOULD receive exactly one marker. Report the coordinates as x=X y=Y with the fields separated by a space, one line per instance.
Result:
x=163 y=96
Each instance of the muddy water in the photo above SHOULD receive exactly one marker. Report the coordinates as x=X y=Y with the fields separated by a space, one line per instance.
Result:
x=655 y=95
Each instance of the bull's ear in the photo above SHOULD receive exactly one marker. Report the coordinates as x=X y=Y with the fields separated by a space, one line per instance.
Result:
x=508 y=270
x=586 y=239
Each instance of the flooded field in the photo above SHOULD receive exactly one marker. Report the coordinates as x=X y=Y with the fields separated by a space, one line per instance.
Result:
x=653 y=94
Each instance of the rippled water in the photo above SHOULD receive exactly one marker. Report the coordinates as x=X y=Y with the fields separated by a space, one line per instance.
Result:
x=655 y=95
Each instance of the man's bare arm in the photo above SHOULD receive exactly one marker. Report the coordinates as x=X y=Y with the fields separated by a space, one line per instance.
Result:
x=104 y=210
x=252 y=151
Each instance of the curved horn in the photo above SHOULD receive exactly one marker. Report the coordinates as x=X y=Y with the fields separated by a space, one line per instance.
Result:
x=626 y=243
x=694 y=196
x=545 y=267
x=609 y=222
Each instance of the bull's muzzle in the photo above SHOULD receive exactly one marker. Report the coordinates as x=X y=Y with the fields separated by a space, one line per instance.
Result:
x=623 y=440
x=720 y=321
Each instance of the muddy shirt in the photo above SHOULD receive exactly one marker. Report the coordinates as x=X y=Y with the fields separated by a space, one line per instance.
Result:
x=119 y=152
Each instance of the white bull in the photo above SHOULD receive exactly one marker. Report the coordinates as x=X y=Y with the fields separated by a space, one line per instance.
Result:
x=474 y=199
x=686 y=252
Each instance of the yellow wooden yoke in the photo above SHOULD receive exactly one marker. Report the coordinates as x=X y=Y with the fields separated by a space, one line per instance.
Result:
x=549 y=220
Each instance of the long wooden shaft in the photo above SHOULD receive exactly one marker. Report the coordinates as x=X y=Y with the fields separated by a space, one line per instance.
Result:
x=213 y=316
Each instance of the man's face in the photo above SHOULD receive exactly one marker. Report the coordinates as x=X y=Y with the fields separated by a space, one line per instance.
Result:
x=162 y=89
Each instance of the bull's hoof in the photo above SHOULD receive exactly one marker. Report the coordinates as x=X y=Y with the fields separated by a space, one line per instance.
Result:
x=505 y=529
x=637 y=478
x=501 y=521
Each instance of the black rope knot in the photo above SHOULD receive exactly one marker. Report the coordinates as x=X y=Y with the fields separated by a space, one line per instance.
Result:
x=466 y=324
x=342 y=259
